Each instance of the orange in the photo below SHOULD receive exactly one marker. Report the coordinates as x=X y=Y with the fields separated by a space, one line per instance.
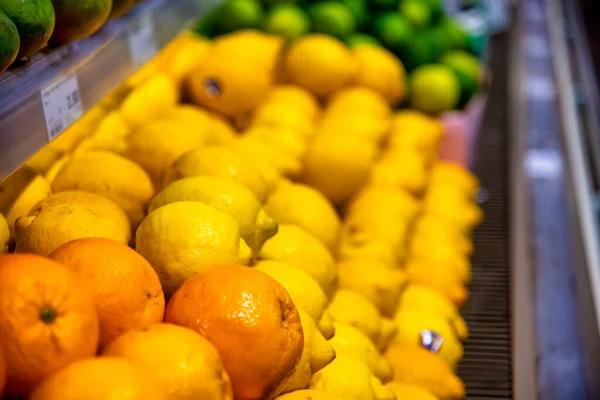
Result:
x=100 y=378
x=126 y=290
x=250 y=319
x=185 y=363
x=47 y=319
x=2 y=372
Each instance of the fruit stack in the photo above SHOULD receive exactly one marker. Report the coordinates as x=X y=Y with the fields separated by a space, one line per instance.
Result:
x=26 y=26
x=240 y=220
x=438 y=53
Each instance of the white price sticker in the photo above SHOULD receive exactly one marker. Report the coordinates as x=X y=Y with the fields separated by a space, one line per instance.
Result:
x=142 y=44
x=62 y=105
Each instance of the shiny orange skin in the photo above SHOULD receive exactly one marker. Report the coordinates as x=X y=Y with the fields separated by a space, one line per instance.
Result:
x=2 y=372
x=126 y=289
x=250 y=319
x=47 y=319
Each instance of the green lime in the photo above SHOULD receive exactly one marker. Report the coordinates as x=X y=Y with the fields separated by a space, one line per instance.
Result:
x=287 y=20
x=332 y=18
x=206 y=25
x=434 y=88
x=359 y=39
x=359 y=10
x=439 y=40
x=394 y=31
x=436 y=8
x=467 y=70
x=234 y=15
x=463 y=61
x=457 y=37
x=384 y=5
x=416 y=12
x=421 y=50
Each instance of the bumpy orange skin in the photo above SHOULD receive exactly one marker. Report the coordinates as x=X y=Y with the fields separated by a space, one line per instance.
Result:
x=47 y=319
x=126 y=289
x=250 y=319
x=100 y=378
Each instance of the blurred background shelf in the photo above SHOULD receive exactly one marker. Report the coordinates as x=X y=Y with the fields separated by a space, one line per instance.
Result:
x=73 y=78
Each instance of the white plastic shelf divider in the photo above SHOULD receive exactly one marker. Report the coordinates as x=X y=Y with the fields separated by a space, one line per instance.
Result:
x=89 y=69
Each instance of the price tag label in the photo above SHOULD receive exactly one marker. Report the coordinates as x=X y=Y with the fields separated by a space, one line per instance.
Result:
x=62 y=105
x=142 y=44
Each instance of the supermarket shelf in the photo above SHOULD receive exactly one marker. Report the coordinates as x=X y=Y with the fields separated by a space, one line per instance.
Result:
x=73 y=78
x=554 y=241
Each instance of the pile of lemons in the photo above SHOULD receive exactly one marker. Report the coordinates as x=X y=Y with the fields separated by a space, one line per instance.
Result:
x=289 y=160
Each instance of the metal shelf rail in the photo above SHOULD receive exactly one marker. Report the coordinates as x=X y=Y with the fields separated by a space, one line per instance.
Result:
x=554 y=237
x=42 y=98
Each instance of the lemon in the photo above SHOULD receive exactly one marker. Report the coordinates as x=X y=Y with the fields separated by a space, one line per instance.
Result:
x=403 y=171
x=226 y=195
x=412 y=324
x=354 y=309
x=287 y=140
x=81 y=129
x=221 y=162
x=389 y=330
x=317 y=353
x=112 y=176
x=358 y=99
x=458 y=175
x=255 y=46
x=19 y=193
x=196 y=119
x=4 y=235
x=43 y=160
x=358 y=125
x=283 y=115
x=338 y=167
x=112 y=134
x=45 y=232
x=444 y=252
x=439 y=278
x=295 y=246
x=230 y=83
x=433 y=89
x=404 y=391
x=429 y=228
x=304 y=291
x=50 y=175
x=381 y=71
x=157 y=145
x=366 y=246
x=320 y=63
x=187 y=237
x=449 y=204
x=412 y=129
x=99 y=204
x=309 y=394
x=263 y=151
x=422 y=299
x=149 y=101
x=347 y=378
x=222 y=130
x=349 y=341
x=417 y=366
x=304 y=206
x=295 y=97
x=376 y=281
x=183 y=56
x=389 y=226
